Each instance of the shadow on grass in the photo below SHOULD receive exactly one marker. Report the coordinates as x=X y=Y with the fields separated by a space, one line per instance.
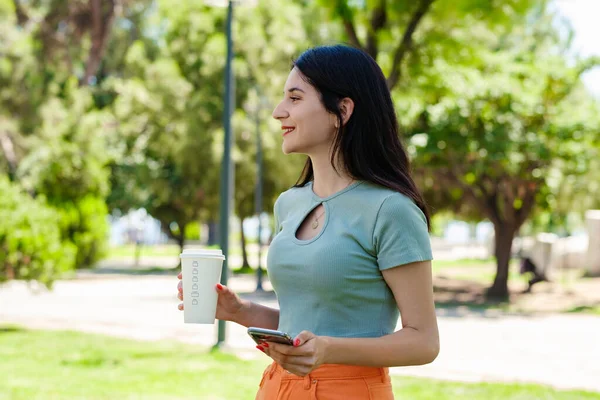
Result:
x=593 y=308
x=464 y=298
x=10 y=329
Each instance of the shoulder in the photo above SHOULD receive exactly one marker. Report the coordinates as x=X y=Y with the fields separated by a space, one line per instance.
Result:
x=389 y=206
x=385 y=200
x=398 y=205
x=290 y=197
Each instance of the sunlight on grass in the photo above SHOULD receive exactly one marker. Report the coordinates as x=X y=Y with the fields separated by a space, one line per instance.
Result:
x=69 y=365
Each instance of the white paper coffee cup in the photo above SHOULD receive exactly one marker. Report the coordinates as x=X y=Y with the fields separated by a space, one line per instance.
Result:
x=201 y=271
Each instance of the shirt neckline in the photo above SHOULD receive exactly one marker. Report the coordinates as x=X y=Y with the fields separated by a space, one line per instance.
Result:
x=319 y=199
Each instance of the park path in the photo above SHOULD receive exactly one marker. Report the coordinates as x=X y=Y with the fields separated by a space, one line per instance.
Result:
x=558 y=350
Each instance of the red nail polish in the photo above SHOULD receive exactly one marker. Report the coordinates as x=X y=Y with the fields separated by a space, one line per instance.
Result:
x=219 y=286
x=297 y=342
x=260 y=348
x=265 y=344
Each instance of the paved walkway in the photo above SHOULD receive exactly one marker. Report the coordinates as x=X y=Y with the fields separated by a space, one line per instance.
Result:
x=558 y=350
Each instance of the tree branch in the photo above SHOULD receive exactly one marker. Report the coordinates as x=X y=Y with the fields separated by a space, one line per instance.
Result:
x=101 y=23
x=22 y=16
x=351 y=32
x=486 y=201
x=406 y=42
x=8 y=149
x=378 y=21
x=528 y=204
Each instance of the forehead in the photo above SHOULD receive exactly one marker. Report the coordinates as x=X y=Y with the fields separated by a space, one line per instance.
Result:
x=295 y=80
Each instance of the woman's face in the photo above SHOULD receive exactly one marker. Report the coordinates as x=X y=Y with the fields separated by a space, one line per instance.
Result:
x=307 y=127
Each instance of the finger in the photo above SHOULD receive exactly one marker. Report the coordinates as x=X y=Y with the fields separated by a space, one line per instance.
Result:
x=179 y=276
x=262 y=348
x=180 y=306
x=302 y=338
x=288 y=351
x=180 y=287
x=180 y=296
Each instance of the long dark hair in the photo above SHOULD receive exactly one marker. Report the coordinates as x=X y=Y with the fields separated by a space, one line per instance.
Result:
x=369 y=142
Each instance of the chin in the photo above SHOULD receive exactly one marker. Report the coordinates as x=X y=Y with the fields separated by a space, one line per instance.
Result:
x=287 y=148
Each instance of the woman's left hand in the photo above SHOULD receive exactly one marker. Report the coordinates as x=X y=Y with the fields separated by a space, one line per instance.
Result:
x=307 y=353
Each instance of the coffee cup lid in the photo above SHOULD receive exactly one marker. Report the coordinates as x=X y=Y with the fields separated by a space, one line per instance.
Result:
x=208 y=253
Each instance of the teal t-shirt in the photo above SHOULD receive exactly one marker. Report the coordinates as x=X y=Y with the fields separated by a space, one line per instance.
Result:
x=332 y=284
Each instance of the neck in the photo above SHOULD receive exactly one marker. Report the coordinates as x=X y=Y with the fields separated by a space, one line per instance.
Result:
x=326 y=180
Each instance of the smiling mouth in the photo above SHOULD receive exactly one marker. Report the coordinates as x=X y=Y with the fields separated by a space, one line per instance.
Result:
x=287 y=130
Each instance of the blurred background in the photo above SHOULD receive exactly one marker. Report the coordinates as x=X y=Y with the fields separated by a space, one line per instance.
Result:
x=113 y=126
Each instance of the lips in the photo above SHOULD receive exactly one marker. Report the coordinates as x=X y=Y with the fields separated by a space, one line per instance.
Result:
x=287 y=129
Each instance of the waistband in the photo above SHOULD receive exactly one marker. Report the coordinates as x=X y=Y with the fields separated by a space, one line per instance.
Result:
x=333 y=371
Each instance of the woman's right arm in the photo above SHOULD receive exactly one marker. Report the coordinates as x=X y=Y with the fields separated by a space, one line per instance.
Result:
x=253 y=314
x=230 y=307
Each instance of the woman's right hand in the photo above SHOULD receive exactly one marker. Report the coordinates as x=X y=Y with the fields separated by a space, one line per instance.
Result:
x=229 y=304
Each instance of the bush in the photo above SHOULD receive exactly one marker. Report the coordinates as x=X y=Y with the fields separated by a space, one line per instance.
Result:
x=30 y=239
x=85 y=224
x=192 y=231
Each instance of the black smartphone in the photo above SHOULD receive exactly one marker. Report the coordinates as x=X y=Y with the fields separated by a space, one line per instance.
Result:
x=260 y=335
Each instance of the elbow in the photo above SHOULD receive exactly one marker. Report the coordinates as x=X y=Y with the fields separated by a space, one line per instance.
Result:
x=432 y=350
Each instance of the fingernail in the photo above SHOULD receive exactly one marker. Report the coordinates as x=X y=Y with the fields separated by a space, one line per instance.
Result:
x=297 y=342
x=265 y=344
x=219 y=286
x=260 y=348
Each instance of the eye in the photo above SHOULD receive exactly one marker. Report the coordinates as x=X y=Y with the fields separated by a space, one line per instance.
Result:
x=294 y=99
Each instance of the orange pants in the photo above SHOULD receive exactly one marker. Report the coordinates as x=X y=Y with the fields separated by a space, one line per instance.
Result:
x=328 y=382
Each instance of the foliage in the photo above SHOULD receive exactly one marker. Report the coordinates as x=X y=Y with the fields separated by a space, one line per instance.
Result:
x=66 y=163
x=500 y=129
x=406 y=38
x=30 y=239
x=167 y=163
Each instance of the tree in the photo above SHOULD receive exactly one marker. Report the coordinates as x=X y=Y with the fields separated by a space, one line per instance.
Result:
x=66 y=163
x=404 y=36
x=168 y=159
x=497 y=130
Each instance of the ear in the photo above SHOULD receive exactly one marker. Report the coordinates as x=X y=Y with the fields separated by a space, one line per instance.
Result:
x=347 y=108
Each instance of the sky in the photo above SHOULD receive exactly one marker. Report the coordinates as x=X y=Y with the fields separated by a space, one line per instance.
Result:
x=583 y=15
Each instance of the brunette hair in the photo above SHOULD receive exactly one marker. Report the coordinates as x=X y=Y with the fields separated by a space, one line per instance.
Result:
x=369 y=142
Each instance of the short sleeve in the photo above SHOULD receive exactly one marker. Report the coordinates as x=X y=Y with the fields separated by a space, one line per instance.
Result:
x=400 y=234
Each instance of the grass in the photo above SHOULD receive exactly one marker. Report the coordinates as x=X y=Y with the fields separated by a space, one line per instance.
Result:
x=593 y=309
x=69 y=365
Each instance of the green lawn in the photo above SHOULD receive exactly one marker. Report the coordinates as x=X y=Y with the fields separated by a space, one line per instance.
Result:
x=68 y=365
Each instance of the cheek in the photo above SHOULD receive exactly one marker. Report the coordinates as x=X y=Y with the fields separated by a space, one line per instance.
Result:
x=316 y=124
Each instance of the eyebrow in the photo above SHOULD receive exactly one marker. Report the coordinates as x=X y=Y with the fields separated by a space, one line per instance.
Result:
x=294 y=89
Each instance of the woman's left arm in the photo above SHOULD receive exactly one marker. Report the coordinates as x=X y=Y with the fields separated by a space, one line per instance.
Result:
x=416 y=343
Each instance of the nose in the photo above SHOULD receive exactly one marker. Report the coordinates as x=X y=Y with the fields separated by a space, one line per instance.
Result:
x=279 y=112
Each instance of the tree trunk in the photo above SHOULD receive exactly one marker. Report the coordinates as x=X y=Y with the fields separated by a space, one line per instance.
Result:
x=102 y=13
x=503 y=238
x=245 y=263
x=180 y=241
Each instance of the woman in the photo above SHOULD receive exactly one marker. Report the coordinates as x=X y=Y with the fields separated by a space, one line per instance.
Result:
x=351 y=249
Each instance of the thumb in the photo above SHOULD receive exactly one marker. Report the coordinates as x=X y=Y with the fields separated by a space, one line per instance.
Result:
x=303 y=337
